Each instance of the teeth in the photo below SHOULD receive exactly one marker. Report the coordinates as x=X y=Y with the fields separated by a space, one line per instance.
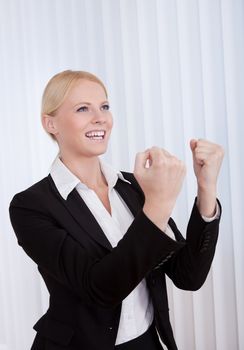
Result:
x=96 y=138
x=95 y=133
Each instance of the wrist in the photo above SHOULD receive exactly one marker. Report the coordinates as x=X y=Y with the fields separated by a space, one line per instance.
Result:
x=206 y=202
x=159 y=206
x=158 y=213
x=207 y=189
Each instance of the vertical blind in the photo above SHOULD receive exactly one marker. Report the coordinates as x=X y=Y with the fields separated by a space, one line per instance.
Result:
x=174 y=71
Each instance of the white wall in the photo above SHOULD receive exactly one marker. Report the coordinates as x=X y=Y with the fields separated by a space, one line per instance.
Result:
x=174 y=70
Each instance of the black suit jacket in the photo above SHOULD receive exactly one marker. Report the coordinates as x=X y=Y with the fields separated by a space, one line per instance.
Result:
x=87 y=279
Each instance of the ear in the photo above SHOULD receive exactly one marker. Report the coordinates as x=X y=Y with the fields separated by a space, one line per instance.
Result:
x=49 y=124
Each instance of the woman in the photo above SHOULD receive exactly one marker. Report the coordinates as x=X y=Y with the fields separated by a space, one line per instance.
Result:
x=103 y=240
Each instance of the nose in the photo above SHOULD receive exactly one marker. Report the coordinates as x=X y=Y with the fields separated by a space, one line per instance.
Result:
x=98 y=116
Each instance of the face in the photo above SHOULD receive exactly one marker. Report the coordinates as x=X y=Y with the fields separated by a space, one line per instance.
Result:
x=83 y=123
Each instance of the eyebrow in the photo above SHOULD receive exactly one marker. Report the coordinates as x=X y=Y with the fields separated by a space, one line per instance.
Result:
x=88 y=103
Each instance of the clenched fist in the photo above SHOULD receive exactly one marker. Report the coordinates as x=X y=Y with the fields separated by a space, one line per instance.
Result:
x=161 y=182
x=207 y=160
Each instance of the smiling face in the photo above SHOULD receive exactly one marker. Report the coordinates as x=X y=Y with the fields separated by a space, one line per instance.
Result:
x=83 y=123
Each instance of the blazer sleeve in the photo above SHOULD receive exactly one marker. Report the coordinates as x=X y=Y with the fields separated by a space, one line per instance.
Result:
x=189 y=268
x=105 y=281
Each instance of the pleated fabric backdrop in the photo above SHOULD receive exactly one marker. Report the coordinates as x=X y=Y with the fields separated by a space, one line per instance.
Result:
x=174 y=70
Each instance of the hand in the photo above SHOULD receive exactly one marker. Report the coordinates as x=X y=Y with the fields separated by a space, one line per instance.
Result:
x=161 y=182
x=207 y=160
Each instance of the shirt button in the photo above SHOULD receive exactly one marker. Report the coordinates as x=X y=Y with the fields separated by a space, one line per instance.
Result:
x=110 y=328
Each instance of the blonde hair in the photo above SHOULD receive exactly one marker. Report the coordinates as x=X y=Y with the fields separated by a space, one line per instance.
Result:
x=58 y=88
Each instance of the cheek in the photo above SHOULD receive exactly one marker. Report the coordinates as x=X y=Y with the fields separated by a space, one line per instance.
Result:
x=111 y=121
x=72 y=125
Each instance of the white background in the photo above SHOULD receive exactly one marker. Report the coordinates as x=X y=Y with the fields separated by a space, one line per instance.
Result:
x=174 y=70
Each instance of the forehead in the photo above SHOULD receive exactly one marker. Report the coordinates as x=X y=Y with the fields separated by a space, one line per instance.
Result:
x=87 y=91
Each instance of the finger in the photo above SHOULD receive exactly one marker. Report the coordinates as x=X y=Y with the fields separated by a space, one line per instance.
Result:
x=203 y=150
x=166 y=153
x=158 y=154
x=212 y=149
x=201 y=146
x=141 y=160
x=152 y=156
x=206 y=143
x=193 y=144
x=201 y=157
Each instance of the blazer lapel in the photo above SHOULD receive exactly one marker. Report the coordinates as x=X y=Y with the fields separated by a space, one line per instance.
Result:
x=129 y=195
x=78 y=209
x=82 y=214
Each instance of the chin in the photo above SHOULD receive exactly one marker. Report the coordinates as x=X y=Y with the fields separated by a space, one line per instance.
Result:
x=93 y=153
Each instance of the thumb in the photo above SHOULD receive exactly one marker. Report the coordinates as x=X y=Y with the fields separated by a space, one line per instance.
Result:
x=193 y=144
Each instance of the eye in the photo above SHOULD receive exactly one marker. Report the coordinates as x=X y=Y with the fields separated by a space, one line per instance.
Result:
x=105 y=107
x=82 y=109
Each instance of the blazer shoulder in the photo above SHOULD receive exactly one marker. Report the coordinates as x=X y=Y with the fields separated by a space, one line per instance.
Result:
x=32 y=193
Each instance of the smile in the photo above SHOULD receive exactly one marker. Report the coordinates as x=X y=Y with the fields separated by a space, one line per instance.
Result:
x=96 y=135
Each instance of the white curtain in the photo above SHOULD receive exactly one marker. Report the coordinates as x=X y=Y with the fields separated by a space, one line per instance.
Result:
x=174 y=70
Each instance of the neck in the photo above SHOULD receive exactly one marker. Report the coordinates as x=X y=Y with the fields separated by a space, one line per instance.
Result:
x=87 y=169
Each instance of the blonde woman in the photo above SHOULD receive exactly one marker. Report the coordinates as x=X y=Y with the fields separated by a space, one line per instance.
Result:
x=103 y=239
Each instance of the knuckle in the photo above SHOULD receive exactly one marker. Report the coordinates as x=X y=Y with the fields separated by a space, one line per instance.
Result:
x=175 y=161
x=154 y=148
x=219 y=151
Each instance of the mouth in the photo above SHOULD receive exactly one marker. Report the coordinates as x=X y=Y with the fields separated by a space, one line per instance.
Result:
x=97 y=135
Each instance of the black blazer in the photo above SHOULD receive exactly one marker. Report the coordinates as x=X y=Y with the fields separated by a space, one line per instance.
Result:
x=87 y=279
